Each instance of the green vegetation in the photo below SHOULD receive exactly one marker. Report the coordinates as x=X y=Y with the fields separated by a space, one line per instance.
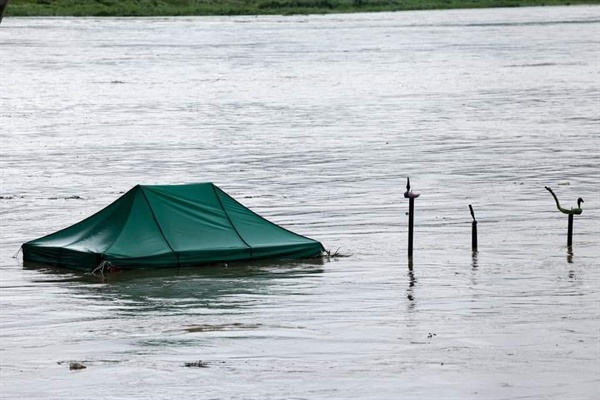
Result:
x=250 y=7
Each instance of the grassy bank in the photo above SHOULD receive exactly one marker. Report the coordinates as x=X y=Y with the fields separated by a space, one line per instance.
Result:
x=250 y=7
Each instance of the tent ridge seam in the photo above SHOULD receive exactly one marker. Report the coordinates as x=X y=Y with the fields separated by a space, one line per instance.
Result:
x=119 y=235
x=230 y=221
x=272 y=223
x=156 y=222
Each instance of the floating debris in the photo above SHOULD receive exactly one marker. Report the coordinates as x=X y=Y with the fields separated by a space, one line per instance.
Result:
x=221 y=327
x=75 y=365
x=195 y=364
x=334 y=254
x=74 y=197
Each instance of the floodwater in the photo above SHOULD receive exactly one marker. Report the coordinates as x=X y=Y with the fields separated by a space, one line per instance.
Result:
x=314 y=122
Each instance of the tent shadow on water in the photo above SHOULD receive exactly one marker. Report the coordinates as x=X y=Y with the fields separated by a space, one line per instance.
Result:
x=182 y=290
x=265 y=268
x=166 y=226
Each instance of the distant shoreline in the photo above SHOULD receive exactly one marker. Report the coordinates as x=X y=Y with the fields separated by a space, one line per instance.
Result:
x=154 y=8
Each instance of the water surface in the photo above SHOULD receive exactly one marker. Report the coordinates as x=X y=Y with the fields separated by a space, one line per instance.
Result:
x=314 y=122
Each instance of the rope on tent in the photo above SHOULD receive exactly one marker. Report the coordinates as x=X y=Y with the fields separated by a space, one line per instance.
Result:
x=103 y=266
x=329 y=254
x=18 y=251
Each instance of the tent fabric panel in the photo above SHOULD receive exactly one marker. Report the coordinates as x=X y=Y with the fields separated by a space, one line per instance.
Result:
x=140 y=235
x=95 y=233
x=196 y=258
x=183 y=259
x=88 y=261
x=167 y=259
x=289 y=251
x=254 y=229
x=60 y=256
x=192 y=218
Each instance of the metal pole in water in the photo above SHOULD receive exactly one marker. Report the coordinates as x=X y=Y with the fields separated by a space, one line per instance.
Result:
x=473 y=231
x=570 y=231
x=411 y=213
x=411 y=196
x=573 y=211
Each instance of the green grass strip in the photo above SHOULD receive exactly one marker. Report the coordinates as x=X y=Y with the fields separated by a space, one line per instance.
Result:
x=143 y=8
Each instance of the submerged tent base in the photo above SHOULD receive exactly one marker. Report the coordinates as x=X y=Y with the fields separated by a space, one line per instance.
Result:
x=65 y=258
x=165 y=226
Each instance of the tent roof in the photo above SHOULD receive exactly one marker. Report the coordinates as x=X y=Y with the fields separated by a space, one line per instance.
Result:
x=154 y=226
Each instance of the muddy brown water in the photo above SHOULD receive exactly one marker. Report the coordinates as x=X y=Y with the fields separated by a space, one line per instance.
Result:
x=314 y=122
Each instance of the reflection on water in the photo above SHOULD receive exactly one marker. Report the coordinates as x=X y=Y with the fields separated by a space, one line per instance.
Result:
x=313 y=122
x=570 y=254
x=276 y=268
x=411 y=283
x=180 y=290
x=474 y=260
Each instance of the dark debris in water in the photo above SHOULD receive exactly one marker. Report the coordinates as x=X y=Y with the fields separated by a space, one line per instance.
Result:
x=76 y=365
x=220 y=327
x=196 y=364
x=335 y=254
x=75 y=197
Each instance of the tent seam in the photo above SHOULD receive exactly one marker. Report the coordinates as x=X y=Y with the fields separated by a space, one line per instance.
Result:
x=230 y=221
x=157 y=224
x=272 y=223
x=120 y=232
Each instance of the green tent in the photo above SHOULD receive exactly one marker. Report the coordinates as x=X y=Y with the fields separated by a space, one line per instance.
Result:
x=169 y=226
